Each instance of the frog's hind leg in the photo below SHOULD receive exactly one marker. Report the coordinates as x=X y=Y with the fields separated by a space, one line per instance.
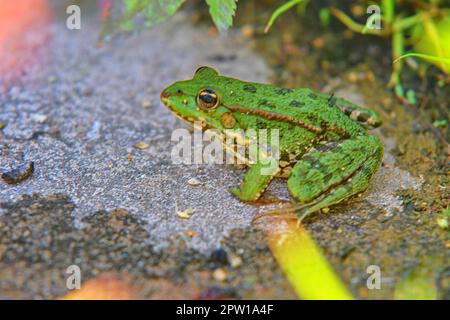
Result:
x=333 y=172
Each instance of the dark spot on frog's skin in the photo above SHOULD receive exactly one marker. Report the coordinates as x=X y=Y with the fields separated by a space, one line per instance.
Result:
x=332 y=100
x=297 y=104
x=249 y=88
x=284 y=157
x=283 y=91
x=311 y=118
x=265 y=103
x=312 y=95
x=262 y=102
x=261 y=124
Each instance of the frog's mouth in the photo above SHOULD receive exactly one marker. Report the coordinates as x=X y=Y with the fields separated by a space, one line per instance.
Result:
x=194 y=122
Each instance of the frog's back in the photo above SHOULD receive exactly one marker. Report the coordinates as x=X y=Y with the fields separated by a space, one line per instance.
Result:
x=302 y=104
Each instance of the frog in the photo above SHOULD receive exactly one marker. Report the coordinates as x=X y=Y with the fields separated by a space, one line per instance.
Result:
x=325 y=151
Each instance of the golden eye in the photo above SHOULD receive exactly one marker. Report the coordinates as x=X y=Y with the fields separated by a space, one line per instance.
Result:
x=207 y=99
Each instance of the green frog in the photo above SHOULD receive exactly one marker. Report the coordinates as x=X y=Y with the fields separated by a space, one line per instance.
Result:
x=325 y=151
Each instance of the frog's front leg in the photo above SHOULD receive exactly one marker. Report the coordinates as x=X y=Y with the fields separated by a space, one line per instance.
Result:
x=256 y=180
x=333 y=172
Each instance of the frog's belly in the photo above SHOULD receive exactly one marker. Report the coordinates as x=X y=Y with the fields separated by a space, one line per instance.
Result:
x=239 y=151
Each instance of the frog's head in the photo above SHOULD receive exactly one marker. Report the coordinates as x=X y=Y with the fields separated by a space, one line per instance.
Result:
x=200 y=99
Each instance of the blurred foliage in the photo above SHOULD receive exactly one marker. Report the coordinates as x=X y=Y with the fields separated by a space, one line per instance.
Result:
x=416 y=28
x=128 y=15
x=417 y=284
x=422 y=26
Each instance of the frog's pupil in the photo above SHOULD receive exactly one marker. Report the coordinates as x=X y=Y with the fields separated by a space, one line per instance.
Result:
x=207 y=98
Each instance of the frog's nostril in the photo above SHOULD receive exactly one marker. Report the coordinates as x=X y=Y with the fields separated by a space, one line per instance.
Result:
x=165 y=94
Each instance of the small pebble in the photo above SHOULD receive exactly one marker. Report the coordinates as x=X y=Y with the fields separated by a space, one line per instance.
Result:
x=219 y=275
x=318 y=43
x=19 y=174
x=87 y=92
x=352 y=77
x=146 y=104
x=247 y=31
x=357 y=10
x=191 y=233
x=348 y=34
x=194 y=182
x=219 y=256
x=40 y=118
x=235 y=261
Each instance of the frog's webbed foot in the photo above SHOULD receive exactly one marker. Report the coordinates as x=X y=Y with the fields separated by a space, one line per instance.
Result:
x=256 y=180
x=334 y=172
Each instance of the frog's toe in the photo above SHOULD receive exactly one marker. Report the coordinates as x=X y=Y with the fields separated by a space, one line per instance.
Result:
x=237 y=192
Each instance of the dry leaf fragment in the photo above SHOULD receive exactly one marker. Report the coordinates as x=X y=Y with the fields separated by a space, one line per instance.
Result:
x=141 y=145
x=186 y=214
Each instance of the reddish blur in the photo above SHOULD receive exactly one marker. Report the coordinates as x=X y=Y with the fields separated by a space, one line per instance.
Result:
x=23 y=36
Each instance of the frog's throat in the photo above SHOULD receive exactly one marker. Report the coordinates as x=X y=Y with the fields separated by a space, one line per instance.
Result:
x=191 y=121
x=275 y=116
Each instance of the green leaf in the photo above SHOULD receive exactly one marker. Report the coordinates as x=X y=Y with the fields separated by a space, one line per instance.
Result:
x=222 y=12
x=133 y=14
x=432 y=42
x=159 y=11
x=411 y=97
x=324 y=16
x=399 y=90
x=437 y=124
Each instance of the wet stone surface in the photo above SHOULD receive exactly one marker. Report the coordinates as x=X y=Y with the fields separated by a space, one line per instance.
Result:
x=80 y=119
x=97 y=201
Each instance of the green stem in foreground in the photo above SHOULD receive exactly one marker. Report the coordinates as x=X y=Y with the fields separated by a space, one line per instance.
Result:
x=302 y=261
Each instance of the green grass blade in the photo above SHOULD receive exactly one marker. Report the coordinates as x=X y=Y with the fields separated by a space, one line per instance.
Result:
x=422 y=56
x=282 y=9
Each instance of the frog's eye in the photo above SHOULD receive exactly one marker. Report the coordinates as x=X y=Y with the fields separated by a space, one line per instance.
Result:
x=207 y=99
x=205 y=72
